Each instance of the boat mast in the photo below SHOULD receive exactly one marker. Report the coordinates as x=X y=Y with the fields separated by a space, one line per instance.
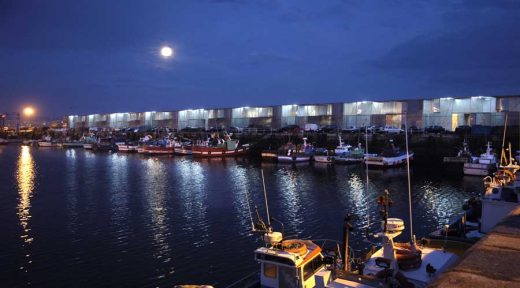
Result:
x=366 y=173
x=408 y=172
x=265 y=197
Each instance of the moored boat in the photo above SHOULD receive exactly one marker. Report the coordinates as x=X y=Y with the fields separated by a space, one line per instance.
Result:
x=3 y=141
x=183 y=147
x=389 y=157
x=483 y=165
x=463 y=155
x=290 y=153
x=126 y=147
x=216 y=147
x=47 y=142
x=88 y=142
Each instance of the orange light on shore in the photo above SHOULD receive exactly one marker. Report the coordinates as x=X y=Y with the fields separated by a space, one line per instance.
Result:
x=28 y=111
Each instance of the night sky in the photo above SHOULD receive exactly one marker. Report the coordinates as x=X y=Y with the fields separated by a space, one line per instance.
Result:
x=83 y=57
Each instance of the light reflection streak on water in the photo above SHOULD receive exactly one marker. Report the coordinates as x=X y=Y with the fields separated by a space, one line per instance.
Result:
x=155 y=189
x=72 y=183
x=25 y=176
x=118 y=179
x=192 y=189
x=242 y=194
x=359 y=198
x=288 y=189
x=439 y=204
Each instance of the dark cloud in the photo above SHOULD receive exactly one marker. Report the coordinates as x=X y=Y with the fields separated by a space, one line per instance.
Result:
x=498 y=4
x=492 y=46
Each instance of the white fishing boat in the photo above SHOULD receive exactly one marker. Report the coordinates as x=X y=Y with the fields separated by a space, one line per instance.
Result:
x=389 y=157
x=483 y=165
x=324 y=156
x=290 y=153
x=46 y=142
x=343 y=153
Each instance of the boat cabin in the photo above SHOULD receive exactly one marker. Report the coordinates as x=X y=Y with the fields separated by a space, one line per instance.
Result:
x=292 y=263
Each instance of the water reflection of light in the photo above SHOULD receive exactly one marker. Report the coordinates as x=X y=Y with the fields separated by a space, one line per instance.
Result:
x=440 y=205
x=193 y=197
x=70 y=153
x=242 y=185
x=118 y=177
x=25 y=176
x=71 y=177
x=359 y=197
x=288 y=187
x=155 y=189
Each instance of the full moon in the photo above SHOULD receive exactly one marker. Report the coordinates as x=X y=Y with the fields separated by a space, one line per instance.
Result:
x=166 y=51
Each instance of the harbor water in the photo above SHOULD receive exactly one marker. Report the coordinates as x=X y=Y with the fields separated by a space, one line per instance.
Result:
x=74 y=218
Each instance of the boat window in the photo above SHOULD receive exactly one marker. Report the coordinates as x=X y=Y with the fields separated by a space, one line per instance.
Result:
x=311 y=267
x=270 y=270
x=272 y=258
x=495 y=191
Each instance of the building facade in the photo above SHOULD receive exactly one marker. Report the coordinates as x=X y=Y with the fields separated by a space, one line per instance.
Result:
x=449 y=112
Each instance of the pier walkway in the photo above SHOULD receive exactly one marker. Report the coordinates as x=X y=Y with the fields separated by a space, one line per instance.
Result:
x=493 y=262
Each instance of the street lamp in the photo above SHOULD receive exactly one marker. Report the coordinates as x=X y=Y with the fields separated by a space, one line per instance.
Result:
x=28 y=111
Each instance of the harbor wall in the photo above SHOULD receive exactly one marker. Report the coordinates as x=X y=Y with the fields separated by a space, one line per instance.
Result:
x=492 y=262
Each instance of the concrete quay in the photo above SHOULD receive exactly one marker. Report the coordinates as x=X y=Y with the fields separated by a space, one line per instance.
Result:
x=493 y=262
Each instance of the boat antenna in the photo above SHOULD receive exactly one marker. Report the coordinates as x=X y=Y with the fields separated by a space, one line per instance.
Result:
x=408 y=172
x=505 y=128
x=265 y=197
x=504 y=141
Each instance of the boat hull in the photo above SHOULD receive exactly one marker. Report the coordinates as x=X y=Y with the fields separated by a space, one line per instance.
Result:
x=127 y=148
x=293 y=159
x=207 y=152
x=268 y=155
x=183 y=151
x=324 y=159
x=71 y=145
x=157 y=150
x=46 y=144
x=477 y=169
x=88 y=146
x=384 y=162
